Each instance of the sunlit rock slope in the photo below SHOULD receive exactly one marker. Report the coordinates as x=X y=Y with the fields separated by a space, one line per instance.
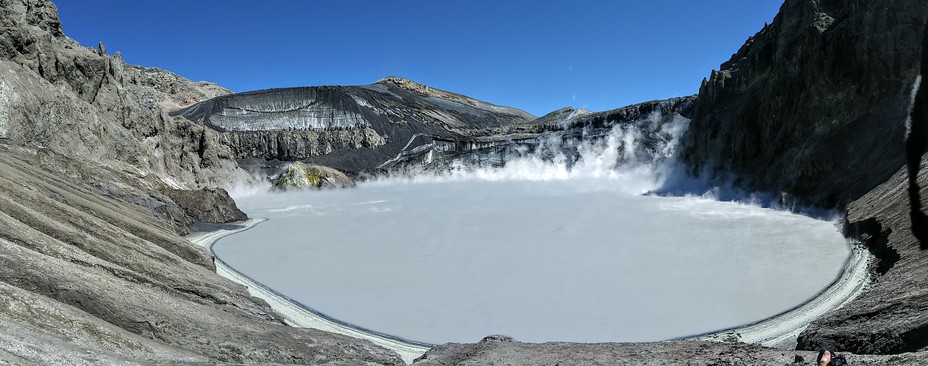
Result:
x=97 y=181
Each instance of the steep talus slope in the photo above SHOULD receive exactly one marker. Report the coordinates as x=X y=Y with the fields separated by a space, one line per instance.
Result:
x=891 y=316
x=813 y=105
x=104 y=276
x=351 y=128
x=98 y=180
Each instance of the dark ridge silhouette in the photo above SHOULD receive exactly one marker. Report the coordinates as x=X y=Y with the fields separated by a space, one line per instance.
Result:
x=916 y=143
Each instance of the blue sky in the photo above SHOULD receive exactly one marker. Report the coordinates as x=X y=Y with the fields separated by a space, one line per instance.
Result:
x=535 y=55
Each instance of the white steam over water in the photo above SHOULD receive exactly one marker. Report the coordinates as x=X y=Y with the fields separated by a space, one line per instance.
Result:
x=541 y=249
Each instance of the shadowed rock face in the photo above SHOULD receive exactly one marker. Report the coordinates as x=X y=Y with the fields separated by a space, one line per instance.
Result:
x=351 y=128
x=892 y=316
x=814 y=105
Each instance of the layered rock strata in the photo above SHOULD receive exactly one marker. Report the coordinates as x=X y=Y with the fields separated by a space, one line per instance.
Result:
x=350 y=128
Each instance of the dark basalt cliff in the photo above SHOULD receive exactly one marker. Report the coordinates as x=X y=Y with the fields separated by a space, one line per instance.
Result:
x=814 y=105
x=351 y=128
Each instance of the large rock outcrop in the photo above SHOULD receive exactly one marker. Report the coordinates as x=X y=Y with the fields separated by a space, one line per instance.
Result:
x=58 y=95
x=814 y=105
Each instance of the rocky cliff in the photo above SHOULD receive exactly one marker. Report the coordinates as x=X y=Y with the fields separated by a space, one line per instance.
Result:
x=97 y=182
x=58 y=95
x=814 y=105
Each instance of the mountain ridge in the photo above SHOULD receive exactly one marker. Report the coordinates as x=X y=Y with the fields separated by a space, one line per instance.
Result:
x=94 y=269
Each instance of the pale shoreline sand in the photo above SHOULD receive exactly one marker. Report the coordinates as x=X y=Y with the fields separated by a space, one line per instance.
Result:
x=779 y=331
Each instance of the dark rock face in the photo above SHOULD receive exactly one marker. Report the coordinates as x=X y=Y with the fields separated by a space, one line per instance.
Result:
x=814 y=105
x=350 y=128
x=892 y=316
x=916 y=144
x=207 y=205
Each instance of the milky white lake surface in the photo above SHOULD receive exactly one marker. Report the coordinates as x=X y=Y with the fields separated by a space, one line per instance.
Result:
x=563 y=260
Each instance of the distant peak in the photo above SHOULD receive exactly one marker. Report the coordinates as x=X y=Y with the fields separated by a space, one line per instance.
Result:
x=406 y=84
x=413 y=86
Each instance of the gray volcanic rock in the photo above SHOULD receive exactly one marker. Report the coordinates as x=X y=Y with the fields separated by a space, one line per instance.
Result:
x=814 y=104
x=91 y=267
x=58 y=95
x=891 y=316
x=502 y=350
x=307 y=176
x=567 y=126
x=104 y=275
x=207 y=205
x=350 y=128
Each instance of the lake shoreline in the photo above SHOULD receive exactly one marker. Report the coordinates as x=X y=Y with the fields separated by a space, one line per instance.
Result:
x=778 y=331
x=294 y=312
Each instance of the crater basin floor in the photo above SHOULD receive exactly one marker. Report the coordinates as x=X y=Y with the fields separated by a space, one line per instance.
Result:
x=581 y=261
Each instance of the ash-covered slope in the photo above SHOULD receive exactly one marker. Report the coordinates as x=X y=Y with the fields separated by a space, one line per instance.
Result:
x=351 y=128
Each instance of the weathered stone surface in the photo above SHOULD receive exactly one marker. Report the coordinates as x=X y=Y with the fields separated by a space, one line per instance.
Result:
x=307 y=176
x=891 y=316
x=207 y=205
x=124 y=286
x=814 y=104
x=502 y=350
x=58 y=95
x=91 y=267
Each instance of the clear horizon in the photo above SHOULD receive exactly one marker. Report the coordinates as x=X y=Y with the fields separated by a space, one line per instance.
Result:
x=538 y=57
